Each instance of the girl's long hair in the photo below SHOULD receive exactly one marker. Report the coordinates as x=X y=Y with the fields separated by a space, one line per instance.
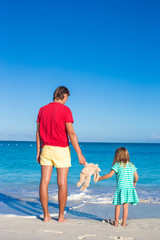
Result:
x=121 y=155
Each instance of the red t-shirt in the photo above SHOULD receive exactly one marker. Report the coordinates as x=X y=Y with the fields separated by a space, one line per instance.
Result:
x=52 y=118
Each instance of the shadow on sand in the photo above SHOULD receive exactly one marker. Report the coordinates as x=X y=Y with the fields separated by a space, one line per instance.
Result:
x=12 y=205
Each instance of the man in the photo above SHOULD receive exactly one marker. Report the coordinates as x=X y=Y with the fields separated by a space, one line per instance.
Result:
x=54 y=125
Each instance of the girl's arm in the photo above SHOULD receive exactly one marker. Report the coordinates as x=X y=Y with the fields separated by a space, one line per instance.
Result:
x=135 y=178
x=109 y=175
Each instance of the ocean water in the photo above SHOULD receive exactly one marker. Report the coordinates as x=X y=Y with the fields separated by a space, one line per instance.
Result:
x=20 y=175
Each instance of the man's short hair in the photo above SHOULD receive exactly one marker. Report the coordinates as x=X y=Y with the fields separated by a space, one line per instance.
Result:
x=59 y=93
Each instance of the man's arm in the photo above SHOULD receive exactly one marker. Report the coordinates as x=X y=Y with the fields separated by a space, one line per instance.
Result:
x=73 y=138
x=38 y=141
x=109 y=175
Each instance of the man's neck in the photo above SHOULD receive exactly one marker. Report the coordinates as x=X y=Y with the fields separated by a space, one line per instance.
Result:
x=58 y=101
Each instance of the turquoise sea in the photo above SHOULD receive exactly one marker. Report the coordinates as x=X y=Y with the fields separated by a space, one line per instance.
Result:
x=20 y=175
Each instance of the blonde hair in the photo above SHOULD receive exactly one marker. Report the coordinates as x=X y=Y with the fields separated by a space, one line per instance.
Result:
x=121 y=155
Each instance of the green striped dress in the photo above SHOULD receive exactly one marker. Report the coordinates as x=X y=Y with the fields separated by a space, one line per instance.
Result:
x=125 y=191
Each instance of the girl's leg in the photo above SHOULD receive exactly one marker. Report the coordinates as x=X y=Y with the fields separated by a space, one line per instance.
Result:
x=117 y=213
x=125 y=213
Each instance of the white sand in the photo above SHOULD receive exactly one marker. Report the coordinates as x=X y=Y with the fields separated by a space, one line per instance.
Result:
x=84 y=222
x=16 y=228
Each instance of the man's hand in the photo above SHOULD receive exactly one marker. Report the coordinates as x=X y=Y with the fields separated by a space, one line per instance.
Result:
x=82 y=159
x=38 y=157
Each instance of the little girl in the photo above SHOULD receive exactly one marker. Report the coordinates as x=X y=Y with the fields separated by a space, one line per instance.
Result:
x=126 y=178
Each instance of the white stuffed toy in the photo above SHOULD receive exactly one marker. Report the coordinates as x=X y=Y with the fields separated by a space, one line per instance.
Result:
x=85 y=176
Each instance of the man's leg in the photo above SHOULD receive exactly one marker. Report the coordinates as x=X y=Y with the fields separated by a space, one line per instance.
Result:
x=46 y=172
x=62 y=174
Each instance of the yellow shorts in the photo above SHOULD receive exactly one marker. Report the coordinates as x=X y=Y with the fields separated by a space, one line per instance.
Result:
x=60 y=157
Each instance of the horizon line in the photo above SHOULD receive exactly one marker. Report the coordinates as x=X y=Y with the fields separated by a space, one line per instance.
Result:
x=85 y=142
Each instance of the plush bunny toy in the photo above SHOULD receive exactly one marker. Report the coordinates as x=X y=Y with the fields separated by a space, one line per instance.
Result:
x=85 y=176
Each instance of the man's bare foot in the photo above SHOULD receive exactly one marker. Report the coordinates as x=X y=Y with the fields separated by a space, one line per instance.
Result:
x=47 y=219
x=62 y=219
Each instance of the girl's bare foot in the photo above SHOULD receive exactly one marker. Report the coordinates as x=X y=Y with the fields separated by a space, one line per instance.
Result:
x=115 y=224
x=123 y=224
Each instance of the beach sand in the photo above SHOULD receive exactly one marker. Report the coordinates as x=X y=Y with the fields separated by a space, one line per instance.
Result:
x=85 y=222
x=24 y=228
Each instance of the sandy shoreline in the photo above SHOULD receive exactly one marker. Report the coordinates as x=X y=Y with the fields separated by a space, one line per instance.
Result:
x=84 y=222
x=24 y=228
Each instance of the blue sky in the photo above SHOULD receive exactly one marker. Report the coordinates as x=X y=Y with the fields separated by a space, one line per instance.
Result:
x=106 y=52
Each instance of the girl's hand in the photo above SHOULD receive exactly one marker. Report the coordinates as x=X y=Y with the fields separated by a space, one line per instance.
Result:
x=134 y=184
x=99 y=179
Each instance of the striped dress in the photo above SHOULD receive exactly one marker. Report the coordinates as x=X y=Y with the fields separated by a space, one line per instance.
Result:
x=125 y=191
